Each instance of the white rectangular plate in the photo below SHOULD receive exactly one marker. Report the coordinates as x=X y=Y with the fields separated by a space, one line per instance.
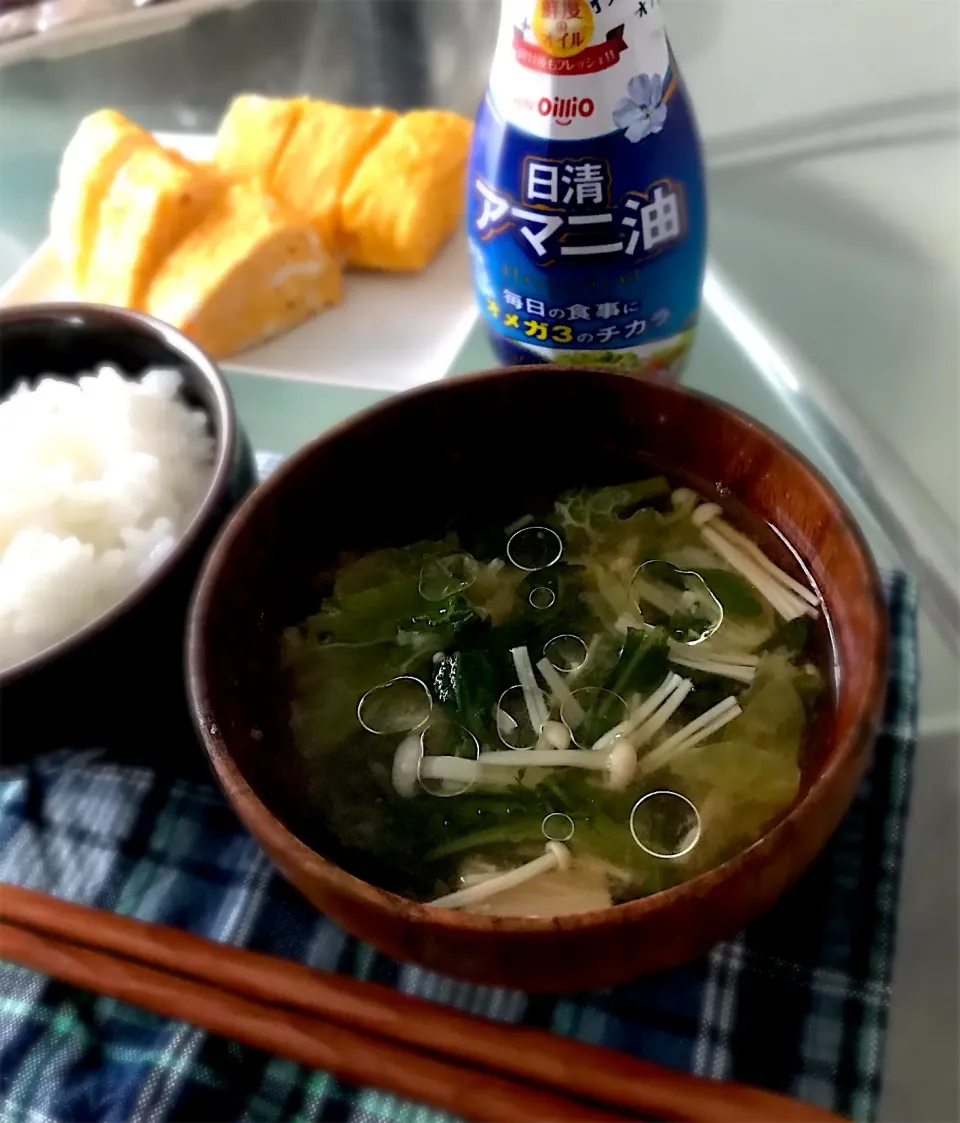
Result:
x=390 y=331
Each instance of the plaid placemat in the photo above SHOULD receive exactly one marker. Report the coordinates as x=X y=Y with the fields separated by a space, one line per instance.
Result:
x=797 y=1002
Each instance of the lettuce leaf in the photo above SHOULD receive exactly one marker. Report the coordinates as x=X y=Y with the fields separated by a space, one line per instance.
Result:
x=377 y=597
x=604 y=517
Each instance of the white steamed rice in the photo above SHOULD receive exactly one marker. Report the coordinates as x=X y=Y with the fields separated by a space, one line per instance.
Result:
x=98 y=478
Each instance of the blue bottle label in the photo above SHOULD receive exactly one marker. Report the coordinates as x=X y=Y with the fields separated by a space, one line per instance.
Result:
x=586 y=210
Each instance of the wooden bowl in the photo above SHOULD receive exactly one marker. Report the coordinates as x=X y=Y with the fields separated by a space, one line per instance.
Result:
x=391 y=475
x=116 y=681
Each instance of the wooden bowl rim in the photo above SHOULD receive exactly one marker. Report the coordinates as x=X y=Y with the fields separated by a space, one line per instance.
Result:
x=223 y=411
x=278 y=838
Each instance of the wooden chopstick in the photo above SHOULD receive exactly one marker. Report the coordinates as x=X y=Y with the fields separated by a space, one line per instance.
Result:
x=298 y=994
x=310 y=1041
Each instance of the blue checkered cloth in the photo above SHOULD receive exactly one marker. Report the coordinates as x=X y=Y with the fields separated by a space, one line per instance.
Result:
x=797 y=1002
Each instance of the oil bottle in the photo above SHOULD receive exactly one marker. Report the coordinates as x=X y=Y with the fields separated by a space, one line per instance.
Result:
x=586 y=210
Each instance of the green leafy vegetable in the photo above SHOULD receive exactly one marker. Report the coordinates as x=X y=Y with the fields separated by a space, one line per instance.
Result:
x=447 y=617
x=642 y=664
x=377 y=595
x=666 y=572
x=328 y=680
x=641 y=667
x=791 y=635
x=469 y=684
x=732 y=591
x=773 y=712
x=688 y=626
x=708 y=690
x=591 y=520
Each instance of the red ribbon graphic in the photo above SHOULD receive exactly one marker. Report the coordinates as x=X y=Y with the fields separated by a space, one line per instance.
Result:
x=600 y=56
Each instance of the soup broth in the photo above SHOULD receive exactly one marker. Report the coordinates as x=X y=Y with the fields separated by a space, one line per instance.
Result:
x=589 y=704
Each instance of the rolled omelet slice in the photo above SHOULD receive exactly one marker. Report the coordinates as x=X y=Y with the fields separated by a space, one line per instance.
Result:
x=320 y=158
x=251 y=270
x=253 y=133
x=152 y=202
x=99 y=148
x=407 y=195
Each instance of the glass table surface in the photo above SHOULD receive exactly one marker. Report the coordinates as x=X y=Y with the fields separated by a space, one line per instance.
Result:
x=887 y=442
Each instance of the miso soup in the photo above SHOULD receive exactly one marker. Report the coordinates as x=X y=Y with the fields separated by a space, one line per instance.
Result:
x=589 y=704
